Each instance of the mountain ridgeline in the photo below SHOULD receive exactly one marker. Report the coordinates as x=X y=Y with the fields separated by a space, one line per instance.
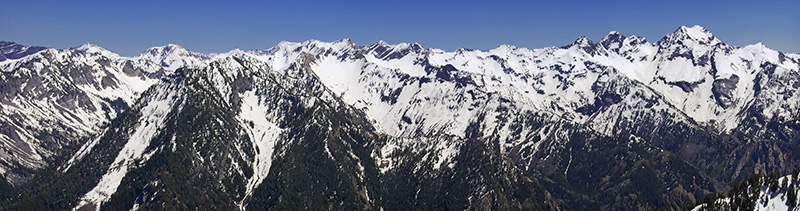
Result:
x=622 y=123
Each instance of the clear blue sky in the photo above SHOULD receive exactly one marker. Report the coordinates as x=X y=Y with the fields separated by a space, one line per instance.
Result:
x=129 y=27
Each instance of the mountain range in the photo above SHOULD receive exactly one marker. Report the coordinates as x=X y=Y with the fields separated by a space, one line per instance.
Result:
x=622 y=123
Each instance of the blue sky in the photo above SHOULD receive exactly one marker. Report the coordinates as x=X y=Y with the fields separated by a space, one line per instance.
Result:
x=129 y=27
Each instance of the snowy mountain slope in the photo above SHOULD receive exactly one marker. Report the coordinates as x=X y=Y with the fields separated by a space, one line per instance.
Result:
x=759 y=192
x=619 y=85
x=142 y=147
x=678 y=67
x=680 y=117
x=285 y=117
x=169 y=58
x=678 y=94
x=408 y=91
x=158 y=105
x=54 y=100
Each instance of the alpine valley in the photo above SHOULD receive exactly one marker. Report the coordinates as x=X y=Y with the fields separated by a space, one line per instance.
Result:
x=686 y=122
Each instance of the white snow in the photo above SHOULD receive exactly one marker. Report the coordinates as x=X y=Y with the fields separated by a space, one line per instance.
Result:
x=91 y=48
x=407 y=64
x=151 y=121
x=437 y=107
x=701 y=34
x=172 y=57
x=339 y=76
x=557 y=81
x=767 y=200
x=85 y=149
x=264 y=134
x=446 y=153
x=775 y=201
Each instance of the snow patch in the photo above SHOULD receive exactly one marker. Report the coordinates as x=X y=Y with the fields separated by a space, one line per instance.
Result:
x=132 y=154
x=264 y=134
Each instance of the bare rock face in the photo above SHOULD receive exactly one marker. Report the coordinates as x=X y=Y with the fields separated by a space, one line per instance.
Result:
x=723 y=91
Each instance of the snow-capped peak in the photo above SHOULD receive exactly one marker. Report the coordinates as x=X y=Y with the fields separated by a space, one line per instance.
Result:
x=174 y=47
x=505 y=48
x=172 y=56
x=583 y=41
x=314 y=44
x=86 y=46
x=345 y=40
x=612 y=35
x=92 y=48
x=585 y=44
x=403 y=45
x=284 y=44
x=235 y=52
x=633 y=39
x=612 y=41
x=164 y=51
x=12 y=50
x=344 y=44
x=695 y=33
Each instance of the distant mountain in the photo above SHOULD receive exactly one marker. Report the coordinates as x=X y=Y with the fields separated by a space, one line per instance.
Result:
x=622 y=123
x=12 y=50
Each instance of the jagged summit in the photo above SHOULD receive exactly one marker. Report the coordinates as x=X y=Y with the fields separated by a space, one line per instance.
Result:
x=92 y=48
x=695 y=33
x=585 y=44
x=338 y=126
x=236 y=52
x=612 y=35
x=172 y=56
x=344 y=40
x=403 y=45
x=8 y=46
x=86 y=46
x=172 y=46
x=12 y=50
x=414 y=46
x=165 y=50
x=583 y=41
x=344 y=43
x=613 y=40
